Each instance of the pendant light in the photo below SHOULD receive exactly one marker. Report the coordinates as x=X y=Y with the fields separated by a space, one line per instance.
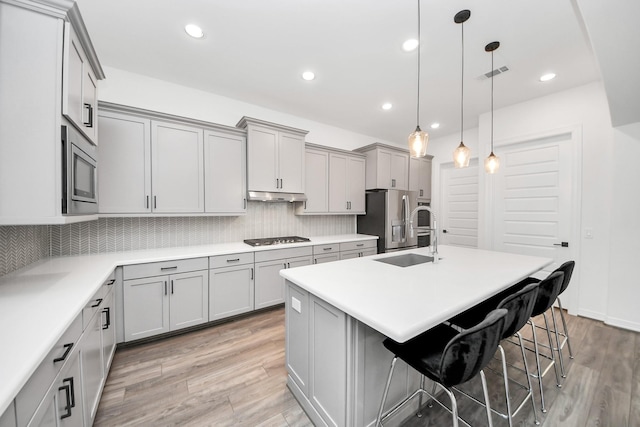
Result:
x=419 y=139
x=492 y=163
x=462 y=154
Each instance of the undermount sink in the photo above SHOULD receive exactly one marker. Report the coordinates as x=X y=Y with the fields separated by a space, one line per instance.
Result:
x=406 y=260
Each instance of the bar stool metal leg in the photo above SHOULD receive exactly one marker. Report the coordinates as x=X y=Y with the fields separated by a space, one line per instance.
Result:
x=529 y=384
x=386 y=391
x=486 y=399
x=558 y=346
x=454 y=406
x=505 y=376
x=564 y=326
x=553 y=357
x=538 y=370
x=419 y=413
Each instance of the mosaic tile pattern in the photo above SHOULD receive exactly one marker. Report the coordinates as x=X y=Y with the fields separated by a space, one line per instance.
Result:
x=22 y=245
x=127 y=234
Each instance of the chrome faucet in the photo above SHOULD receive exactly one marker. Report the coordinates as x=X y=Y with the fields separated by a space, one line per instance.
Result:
x=434 y=229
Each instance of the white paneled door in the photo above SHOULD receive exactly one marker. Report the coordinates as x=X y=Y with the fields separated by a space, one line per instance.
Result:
x=532 y=199
x=459 y=222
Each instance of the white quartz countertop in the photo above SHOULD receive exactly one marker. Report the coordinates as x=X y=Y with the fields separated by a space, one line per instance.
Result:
x=402 y=302
x=39 y=302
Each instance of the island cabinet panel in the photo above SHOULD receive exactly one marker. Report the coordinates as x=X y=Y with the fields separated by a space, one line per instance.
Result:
x=297 y=332
x=328 y=361
x=8 y=418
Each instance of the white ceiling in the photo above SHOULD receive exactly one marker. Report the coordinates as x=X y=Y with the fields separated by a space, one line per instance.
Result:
x=255 y=51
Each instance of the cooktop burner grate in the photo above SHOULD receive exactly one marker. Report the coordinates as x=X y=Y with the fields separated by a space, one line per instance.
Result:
x=276 y=240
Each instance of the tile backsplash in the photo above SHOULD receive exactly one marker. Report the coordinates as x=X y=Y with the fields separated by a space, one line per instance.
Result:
x=22 y=245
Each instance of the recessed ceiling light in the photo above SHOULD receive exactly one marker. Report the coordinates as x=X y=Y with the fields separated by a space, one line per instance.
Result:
x=435 y=125
x=410 y=45
x=194 y=31
x=387 y=106
x=308 y=75
x=547 y=77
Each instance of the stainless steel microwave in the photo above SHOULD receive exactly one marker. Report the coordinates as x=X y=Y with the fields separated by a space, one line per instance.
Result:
x=79 y=174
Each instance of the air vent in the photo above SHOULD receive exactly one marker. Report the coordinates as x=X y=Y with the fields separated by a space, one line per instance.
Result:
x=495 y=72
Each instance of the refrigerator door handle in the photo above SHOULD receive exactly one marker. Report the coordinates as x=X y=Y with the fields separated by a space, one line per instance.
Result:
x=405 y=212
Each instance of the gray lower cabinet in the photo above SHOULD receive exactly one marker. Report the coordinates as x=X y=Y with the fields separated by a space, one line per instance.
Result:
x=165 y=302
x=108 y=330
x=231 y=285
x=357 y=249
x=337 y=366
x=269 y=285
x=93 y=374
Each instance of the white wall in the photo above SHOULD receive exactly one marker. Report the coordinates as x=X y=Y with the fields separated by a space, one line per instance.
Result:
x=123 y=87
x=585 y=109
x=624 y=285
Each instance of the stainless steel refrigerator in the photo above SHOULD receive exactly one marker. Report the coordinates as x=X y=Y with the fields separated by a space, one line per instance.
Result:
x=388 y=218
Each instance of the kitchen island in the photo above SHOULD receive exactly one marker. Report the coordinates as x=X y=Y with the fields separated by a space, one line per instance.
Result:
x=337 y=316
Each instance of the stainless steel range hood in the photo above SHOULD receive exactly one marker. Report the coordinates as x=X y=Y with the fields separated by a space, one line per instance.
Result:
x=267 y=196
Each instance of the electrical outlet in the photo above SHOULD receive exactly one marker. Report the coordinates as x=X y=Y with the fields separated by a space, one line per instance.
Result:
x=296 y=305
x=588 y=233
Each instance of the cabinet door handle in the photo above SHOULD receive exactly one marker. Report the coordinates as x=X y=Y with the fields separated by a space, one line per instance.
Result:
x=245 y=204
x=165 y=287
x=233 y=260
x=107 y=311
x=89 y=123
x=67 y=350
x=284 y=265
x=155 y=204
x=305 y=205
x=288 y=265
x=251 y=273
x=315 y=260
x=98 y=302
x=327 y=249
x=359 y=245
x=110 y=282
x=175 y=267
x=68 y=392
x=277 y=183
x=421 y=193
x=172 y=287
x=393 y=183
x=147 y=202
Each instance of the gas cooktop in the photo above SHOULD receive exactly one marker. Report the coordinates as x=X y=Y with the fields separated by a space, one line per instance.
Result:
x=276 y=240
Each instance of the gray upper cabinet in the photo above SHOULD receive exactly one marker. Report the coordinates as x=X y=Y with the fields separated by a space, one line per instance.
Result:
x=225 y=172
x=154 y=163
x=420 y=176
x=35 y=71
x=275 y=156
x=387 y=167
x=177 y=168
x=124 y=175
x=335 y=181
x=80 y=86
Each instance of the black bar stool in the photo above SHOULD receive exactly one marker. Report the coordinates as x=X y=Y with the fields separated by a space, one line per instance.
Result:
x=449 y=358
x=520 y=305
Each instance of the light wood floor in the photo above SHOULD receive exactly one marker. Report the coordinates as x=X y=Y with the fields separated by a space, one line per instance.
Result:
x=234 y=375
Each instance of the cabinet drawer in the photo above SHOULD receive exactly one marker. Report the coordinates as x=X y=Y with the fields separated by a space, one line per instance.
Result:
x=360 y=244
x=29 y=397
x=326 y=249
x=164 y=267
x=274 y=254
x=230 y=260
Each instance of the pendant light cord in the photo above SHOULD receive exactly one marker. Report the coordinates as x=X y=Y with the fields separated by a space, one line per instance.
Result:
x=462 y=88
x=492 y=74
x=419 y=48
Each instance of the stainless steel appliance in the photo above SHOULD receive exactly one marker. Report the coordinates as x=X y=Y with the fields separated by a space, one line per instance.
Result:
x=388 y=218
x=424 y=220
x=79 y=174
x=276 y=240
